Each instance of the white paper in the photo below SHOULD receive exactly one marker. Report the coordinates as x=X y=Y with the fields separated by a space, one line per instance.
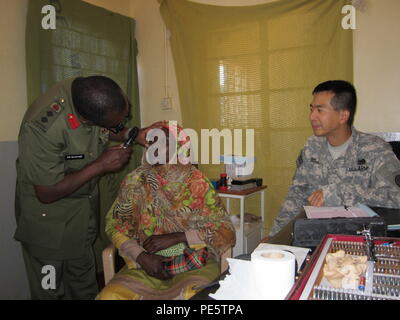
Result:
x=334 y=212
x=300 y=253
x=273 y=272
x=243 y=284
x=237 y=285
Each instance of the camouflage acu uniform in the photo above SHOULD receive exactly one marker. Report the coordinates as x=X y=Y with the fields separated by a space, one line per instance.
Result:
x=364 y=174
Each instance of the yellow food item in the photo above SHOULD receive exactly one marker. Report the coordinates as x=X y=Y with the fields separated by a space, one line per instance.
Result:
x=343 y=270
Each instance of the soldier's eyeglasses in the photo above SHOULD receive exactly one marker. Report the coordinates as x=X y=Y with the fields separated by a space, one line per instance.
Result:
x=118 y=128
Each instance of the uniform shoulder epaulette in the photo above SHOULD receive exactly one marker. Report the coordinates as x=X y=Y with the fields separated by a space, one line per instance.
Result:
x=47 y=117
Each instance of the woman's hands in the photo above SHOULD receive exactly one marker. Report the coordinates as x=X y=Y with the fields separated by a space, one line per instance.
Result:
x=159 y=242
x=153 y=263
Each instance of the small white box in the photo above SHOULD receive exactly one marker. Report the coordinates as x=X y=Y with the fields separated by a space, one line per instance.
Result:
x=238 y=167
x=252 y=237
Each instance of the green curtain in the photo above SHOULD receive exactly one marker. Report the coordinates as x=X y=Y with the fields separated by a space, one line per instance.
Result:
x=88 y=40
x=254 y=67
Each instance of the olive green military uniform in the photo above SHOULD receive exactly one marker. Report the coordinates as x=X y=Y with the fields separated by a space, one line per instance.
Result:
x=52 y=143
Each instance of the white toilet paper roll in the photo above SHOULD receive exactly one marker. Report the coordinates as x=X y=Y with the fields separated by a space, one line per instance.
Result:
x=273 y=273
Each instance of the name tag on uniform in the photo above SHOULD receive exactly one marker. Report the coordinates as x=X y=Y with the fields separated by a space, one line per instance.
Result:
x=74 y=157
x=360 y=166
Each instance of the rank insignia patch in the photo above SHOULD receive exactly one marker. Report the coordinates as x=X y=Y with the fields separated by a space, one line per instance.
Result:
x=73 y=121
x=48 y=116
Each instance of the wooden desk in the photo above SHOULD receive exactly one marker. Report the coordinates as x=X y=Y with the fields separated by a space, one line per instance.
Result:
x=242 y=195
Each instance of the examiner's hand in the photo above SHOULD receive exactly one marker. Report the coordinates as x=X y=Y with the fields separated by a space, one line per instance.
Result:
x=152 y=264
x=141 y=138
x=113 y=159
x=159 y=242
x=316 y=199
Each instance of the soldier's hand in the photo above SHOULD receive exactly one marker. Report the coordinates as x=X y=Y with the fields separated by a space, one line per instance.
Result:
x=153 y=265
x=113 y=159
x=141 y=138
x=316 y=199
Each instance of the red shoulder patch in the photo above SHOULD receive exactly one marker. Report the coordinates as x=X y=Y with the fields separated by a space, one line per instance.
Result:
x=73 y=121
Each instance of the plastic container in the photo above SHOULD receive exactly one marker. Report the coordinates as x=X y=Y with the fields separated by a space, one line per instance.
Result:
x=223 y=182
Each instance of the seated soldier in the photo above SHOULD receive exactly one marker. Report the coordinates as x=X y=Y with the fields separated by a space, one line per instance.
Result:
x=340 y=166
x=170 y=227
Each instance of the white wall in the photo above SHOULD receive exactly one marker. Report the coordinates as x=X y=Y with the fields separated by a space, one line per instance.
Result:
x=153 y=59
x=377 y=66
x=13 y=280
x=12 y=67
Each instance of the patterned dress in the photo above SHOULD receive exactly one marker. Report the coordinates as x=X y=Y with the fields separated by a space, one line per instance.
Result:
x=162 y=199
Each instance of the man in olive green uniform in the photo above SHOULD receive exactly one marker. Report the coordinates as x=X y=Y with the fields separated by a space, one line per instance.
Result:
x=62 y=153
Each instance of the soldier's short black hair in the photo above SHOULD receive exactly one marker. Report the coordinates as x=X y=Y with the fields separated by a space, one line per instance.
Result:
x=345 y=96
x=95 y=96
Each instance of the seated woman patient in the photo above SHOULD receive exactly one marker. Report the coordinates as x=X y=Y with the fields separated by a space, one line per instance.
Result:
x=170 y=227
